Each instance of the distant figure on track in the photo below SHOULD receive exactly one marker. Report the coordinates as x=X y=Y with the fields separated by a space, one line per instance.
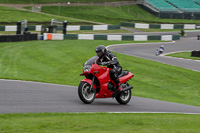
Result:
x=182 y=32
x=160 y=50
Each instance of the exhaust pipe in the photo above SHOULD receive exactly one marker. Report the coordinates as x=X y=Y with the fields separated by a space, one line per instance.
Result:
x=128 y=88
x=125 y=89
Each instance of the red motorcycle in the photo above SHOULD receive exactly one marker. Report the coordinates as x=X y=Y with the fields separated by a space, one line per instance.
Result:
x=98 y=83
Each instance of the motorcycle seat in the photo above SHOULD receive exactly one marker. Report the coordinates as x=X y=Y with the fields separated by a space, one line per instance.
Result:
x=125 y=72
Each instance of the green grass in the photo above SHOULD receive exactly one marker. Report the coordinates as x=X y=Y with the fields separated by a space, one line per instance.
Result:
x=186 y=55
x=9 y=14
x=14 y=32
x=99 y=123
x=112 y=15
x=61 y=62
x=7 y=32
x=54 y=1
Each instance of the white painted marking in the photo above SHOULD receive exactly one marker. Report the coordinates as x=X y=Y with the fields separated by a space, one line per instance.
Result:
x=86 y=36
x=140 y=37
x=73 y=28
x=166 y=37
x=178 y=57
x=35 y=82
x=114 y=37
x=45 y=36
x=11 y=28
x=189 y=26
x=141 y=26
x=57 y=36
x=139 y=43
x=174 y=52
x=100 y=27
x=167 y=26
x=38 y=28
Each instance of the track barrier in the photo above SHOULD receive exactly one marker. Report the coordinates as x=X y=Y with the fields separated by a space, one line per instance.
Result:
x=160 y=26
x=111 y=37
x=195 y=53
x=18 y=38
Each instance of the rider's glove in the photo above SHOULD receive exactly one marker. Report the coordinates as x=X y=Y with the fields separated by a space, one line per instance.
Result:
x=99 y=63
x=105 y=63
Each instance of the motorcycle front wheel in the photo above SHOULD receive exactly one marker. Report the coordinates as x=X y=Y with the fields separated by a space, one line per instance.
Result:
x=85 y=94
x=124 y=97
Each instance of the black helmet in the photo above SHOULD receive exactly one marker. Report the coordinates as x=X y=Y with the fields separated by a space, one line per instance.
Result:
x=162 y=46
x=101 y=51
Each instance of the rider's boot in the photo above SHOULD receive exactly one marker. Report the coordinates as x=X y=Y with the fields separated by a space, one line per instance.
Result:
x=117 y=90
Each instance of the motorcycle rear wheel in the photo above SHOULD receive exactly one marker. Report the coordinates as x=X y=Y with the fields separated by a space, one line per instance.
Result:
x=85 y=94
x=124 y=97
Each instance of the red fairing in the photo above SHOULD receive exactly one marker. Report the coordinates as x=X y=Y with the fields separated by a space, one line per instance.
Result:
x=103 y=73
x=126 y=78
x=89 y=81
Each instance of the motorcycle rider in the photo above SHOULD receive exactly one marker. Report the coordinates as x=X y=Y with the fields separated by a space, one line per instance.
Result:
x=161 y=49
x=106 y=58
x=182 y=32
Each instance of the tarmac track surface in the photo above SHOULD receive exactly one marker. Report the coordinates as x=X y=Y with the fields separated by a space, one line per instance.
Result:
x=26 y=97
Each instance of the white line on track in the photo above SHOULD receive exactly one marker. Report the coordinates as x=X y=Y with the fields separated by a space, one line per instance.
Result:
x=138 y=43
x=178 y=57
x=22 y=81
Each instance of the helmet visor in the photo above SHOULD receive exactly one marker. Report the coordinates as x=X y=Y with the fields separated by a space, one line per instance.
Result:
x=99 y=53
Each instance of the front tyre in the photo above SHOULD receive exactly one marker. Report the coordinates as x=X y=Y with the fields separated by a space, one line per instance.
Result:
x=85 y=94
x=124 y=97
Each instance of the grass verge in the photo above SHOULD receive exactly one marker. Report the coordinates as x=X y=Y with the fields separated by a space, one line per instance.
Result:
x=111 y=15
x=9 y=14
x=185 y=55
x=99 y=122
x=61 y=62
x=14 y=32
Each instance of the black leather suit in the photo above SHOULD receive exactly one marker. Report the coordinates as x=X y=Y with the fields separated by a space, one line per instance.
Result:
x=110 y=60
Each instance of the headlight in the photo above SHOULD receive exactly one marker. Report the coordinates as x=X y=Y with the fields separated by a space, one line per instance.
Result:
x=86 y=68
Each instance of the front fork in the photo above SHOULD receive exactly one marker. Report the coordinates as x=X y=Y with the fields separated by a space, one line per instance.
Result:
x=91 y=87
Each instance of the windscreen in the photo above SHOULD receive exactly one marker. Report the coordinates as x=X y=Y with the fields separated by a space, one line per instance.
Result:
x=91 y=60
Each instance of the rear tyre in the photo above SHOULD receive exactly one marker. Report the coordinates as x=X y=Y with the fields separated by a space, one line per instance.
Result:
x=124 y=97
x=85 y=94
